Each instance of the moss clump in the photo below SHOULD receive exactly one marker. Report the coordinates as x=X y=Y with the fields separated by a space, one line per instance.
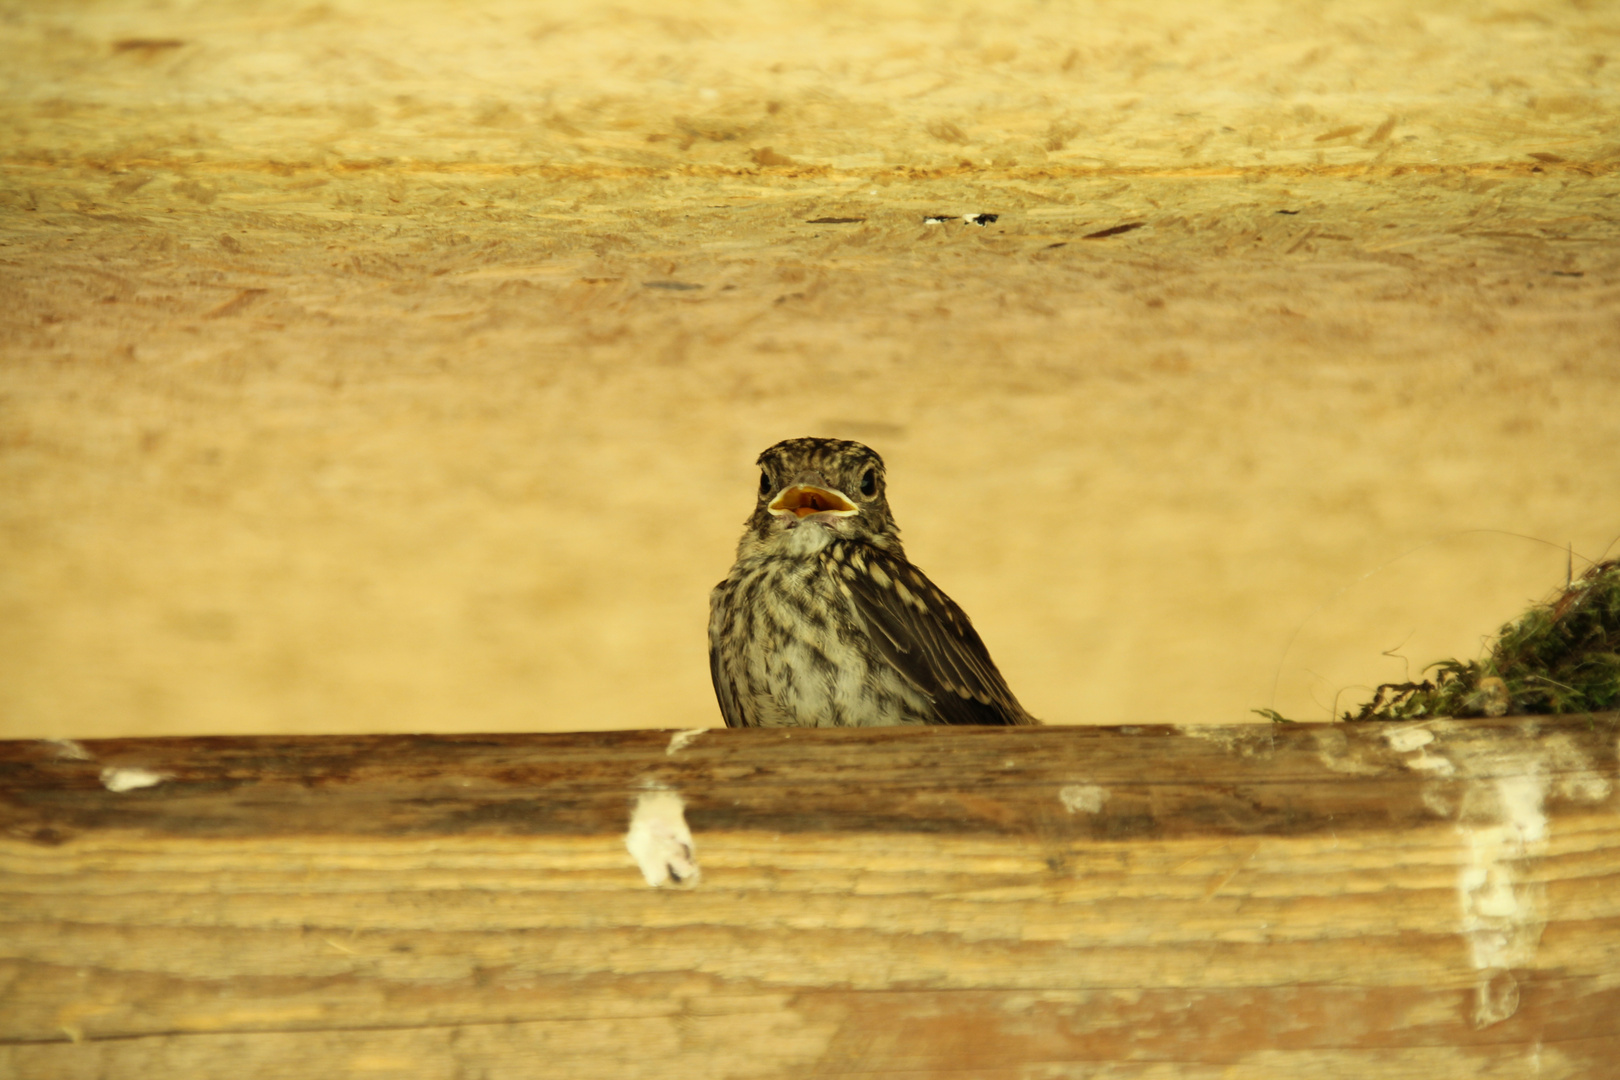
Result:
x=1561 y=657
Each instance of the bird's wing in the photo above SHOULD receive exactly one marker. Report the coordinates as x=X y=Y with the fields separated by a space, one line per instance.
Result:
x=927 y=638
x=725 y=685
x=724 y=691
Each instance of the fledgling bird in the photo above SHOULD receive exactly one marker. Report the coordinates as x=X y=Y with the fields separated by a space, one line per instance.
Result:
x=823 y=622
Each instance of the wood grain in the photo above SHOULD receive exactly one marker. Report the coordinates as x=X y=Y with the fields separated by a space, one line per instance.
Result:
x=1423 y=900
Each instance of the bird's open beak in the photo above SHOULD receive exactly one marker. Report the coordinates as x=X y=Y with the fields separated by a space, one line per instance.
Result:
x=803 y=500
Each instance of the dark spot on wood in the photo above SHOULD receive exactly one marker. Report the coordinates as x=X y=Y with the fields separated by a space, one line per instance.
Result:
x=1124 y=827
x=146 y=46
x=238 y=302
x=1115 y=231
x=835 y=221
x=677 y=286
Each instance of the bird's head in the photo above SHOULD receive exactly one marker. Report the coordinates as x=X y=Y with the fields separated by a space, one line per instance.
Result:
x=814 y=490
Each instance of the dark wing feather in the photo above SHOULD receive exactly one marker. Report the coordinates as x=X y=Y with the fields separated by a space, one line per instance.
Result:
x=928 y=639
x=725 y=686
x=725 y=691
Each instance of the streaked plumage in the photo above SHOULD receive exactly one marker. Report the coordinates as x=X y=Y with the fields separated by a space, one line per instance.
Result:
x=823 y=622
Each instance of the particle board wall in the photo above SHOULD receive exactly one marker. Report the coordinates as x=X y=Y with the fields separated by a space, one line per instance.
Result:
x=397 y=367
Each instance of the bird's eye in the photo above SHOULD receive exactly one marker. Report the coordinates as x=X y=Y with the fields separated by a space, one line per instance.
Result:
x=764 y=484
x=869 y=483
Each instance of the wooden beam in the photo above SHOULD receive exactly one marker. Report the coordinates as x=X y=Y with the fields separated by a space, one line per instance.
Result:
x=1424 y=900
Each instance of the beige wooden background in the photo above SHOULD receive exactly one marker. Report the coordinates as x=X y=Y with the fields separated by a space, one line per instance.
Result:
x=334 y=395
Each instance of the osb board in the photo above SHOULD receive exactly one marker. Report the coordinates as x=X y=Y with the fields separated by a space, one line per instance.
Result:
x=344 y=388
x=1428 y=900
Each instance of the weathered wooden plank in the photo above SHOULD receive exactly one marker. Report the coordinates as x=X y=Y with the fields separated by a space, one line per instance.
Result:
x=1219 y=781
x=1428 y=900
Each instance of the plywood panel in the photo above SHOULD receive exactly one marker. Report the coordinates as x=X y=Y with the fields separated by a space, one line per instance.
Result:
x=347 y=381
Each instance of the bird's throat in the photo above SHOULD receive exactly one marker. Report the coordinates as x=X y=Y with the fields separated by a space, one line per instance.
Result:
x=804 y=541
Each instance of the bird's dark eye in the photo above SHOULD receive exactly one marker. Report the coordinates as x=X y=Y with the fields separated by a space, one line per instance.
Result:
x=869 y=483
x=764 y=484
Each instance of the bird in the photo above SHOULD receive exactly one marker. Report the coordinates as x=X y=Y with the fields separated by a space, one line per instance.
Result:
x=824 y=622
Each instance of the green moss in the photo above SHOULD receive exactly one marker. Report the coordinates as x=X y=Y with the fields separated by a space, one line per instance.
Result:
x=1561 y=657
